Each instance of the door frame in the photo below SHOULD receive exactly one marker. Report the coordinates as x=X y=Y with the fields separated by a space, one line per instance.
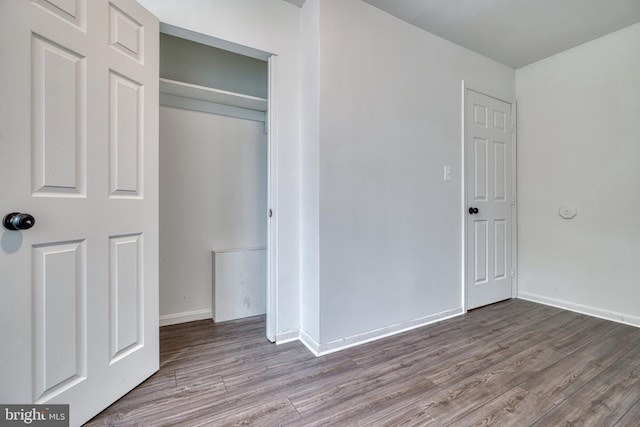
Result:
x=272 y=201
x=514 y=217
x=272 y=158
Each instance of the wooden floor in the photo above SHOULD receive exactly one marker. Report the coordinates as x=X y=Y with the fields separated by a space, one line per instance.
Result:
x=514 y=363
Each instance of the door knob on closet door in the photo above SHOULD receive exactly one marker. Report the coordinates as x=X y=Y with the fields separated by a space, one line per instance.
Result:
x=473 y=211
x=18 y=221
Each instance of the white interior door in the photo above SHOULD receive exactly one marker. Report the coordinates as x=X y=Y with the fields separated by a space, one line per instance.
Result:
x=79 y=152
x=489 y=145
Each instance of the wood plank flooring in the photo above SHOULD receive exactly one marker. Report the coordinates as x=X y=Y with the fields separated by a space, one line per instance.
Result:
x=514 y=363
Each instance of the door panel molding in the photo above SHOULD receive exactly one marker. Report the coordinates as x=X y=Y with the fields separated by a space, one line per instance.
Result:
x=59 y=274
x=59 y=120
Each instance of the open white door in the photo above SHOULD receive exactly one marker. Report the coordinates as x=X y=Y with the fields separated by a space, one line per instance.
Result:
x=79 y=152
x=489 y=194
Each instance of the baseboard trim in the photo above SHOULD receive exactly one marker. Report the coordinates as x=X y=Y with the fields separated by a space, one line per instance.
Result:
x=286 y=337
x=376 y=334
x=582 y=309
x=187 y=316
x=309 y=342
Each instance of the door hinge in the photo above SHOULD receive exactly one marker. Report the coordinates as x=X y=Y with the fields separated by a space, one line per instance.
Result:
x=513 y=272
x=513 y=200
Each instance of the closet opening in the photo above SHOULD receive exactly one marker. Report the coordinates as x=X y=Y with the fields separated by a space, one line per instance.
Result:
x=217 y=222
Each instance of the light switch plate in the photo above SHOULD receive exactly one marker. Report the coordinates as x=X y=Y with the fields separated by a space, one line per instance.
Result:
x=447 y=173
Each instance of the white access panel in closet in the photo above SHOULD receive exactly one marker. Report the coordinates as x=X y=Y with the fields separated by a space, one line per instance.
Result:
x=239 y=283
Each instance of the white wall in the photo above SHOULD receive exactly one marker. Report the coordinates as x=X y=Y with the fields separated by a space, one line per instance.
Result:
x=310 y=139
x=579 y=142
x=213 y=175
x=272 y=26
x=389 y=119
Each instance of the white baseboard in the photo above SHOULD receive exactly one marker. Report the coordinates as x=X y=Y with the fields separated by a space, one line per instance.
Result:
x=309 y=342
x=285 y=337
x=582 y=309
x=187 y=316
x=352 y=341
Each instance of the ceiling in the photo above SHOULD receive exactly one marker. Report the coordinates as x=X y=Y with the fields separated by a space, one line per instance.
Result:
x=514 y=32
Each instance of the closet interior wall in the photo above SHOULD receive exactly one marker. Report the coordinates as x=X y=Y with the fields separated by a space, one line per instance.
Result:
x=213 y=168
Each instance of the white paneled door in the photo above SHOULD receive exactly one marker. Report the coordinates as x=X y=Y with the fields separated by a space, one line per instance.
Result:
x=78 y=152
x=489 y=194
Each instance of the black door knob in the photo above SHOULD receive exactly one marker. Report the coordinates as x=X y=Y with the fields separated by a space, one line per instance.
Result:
x=473 y=211
x=18 y=221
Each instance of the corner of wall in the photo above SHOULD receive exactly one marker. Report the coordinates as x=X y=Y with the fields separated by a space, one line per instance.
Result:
x=309 y=184
x=310 y=343
x=589 y=310
x=577 y=147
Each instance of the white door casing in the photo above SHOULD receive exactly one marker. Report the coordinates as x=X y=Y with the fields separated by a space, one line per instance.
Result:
x=272 y=203
x=489 y=189
x=78 y=151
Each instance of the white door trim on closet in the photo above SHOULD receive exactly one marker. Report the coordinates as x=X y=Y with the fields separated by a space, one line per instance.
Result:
x=272 y=202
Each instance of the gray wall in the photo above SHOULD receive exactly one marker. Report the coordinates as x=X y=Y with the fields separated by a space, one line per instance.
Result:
x=195 y=63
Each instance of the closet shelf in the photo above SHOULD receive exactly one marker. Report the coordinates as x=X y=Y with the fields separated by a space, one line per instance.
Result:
x=203 y=93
